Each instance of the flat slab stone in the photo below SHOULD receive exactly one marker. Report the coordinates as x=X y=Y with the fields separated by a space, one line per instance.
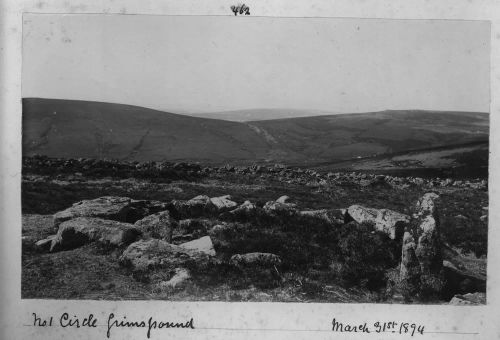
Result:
x=203 y=245
x=82 y=230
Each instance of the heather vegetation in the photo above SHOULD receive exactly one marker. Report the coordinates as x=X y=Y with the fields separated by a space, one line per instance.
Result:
x=266 y=233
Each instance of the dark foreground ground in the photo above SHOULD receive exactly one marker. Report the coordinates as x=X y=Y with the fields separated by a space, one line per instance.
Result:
x=320 y=263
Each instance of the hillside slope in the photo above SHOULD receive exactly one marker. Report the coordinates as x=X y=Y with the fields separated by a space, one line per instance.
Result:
x=349 y=136
x=68 y=128
x=455 y=161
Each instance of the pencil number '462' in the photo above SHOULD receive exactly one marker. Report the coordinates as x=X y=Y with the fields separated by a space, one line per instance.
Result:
x=240 y=9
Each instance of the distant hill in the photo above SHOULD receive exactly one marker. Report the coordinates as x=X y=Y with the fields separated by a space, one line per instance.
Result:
x=69 y=128
x=260 y=114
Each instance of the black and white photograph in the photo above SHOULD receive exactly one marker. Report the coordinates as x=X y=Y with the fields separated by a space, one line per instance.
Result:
x=255 y=159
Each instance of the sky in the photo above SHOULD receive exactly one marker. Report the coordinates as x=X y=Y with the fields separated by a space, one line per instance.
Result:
x=196 y=64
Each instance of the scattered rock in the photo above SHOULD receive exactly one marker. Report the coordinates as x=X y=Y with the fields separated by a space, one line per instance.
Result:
x=121 y=209
x=142 y=208
x=220 y=228
x=196 y=227
x=74 y=167
x=114 y=168
x=202 y=245
x=181 y=276
x=202 y=201
x=332 y=216
x=82 y=230
x=109 y=207
x=419 y=181
x=255 y=259
x=247 y=206
x=159 y=225
x=223 y=203
x=390 y=222
x=283 y=199
x=422 y=271
x=196 y=207
x=377 y=182
x=153 y=253
x=223 y=234
x=244 y=211
x=280 y=207
x=461 y=280
x=469 y=299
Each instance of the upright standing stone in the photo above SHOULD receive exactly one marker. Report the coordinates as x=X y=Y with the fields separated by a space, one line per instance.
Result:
x=410 y=268
x=428 y=250
x=422 y=262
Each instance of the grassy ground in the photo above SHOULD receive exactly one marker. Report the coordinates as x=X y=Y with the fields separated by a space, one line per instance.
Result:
x=321 y=263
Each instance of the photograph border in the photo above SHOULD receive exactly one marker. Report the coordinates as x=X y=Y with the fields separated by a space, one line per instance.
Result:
x=241 y=320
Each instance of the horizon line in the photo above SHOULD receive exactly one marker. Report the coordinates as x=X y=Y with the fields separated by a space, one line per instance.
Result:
x=255 y=109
